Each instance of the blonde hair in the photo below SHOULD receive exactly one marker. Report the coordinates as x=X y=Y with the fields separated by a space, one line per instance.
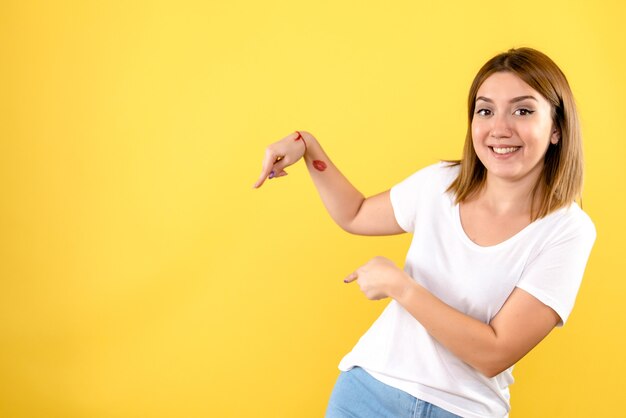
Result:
x=560 y=182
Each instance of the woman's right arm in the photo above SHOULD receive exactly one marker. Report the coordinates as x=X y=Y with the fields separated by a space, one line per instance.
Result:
x=345 y=204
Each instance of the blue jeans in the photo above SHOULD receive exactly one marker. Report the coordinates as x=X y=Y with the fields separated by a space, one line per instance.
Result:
x=358 y=395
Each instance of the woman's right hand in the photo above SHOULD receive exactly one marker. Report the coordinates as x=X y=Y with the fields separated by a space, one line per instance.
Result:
x=282 y=154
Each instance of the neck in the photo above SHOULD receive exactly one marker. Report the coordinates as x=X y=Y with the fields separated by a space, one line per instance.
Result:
x=503 y=197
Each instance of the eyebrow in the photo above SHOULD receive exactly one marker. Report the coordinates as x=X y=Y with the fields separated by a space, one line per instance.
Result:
x=513 y=100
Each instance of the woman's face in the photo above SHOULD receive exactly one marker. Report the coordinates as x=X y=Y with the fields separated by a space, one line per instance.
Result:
x=511 y=128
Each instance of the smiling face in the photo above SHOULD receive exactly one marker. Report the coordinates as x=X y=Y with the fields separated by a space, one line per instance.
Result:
x=512 y=128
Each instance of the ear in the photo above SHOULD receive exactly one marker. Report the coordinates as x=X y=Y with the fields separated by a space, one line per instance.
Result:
x=555 y=137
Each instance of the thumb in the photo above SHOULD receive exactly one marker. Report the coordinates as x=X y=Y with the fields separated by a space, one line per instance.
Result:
x=278 y=168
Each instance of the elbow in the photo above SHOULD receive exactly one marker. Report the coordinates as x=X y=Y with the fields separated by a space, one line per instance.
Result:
x=493 y=364
x=494 y=360
x=491 y=372
x=350 y=222
x=347 y=226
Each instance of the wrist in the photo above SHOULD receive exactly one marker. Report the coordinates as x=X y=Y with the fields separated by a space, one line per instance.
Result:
x=310 y=141
x=402 y=287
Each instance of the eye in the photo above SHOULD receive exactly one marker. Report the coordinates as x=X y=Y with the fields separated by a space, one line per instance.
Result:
x=524 y=112
x=483 y=112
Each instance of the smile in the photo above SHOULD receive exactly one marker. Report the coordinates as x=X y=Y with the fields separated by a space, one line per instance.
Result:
x=504 y=151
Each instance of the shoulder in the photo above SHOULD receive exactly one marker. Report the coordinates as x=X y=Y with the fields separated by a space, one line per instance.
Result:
x=442 y=169
x=572 y=218
x=435 y=176
x=569 y=223
x=417 y=193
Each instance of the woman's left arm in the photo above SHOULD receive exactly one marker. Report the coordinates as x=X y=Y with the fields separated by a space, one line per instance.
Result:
x=521 y=323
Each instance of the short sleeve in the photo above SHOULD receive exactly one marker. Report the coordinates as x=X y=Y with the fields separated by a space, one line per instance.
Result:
x=555 y=274
x=406 y=195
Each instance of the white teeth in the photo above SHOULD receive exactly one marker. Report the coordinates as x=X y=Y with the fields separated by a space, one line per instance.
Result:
x=505 y=150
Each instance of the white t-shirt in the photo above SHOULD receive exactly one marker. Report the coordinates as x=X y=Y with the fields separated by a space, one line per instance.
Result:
x=546 y=259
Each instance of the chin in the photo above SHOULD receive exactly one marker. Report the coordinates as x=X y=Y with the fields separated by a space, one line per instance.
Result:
x=510 y=173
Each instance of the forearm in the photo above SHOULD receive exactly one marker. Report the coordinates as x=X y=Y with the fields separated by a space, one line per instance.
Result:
x=340 y=197
x=471 y=340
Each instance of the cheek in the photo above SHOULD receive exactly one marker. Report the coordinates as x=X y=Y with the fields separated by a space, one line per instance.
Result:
x=479 y=132
x=535 y=134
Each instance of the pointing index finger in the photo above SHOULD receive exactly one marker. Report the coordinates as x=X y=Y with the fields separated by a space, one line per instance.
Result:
x=352 y=277
x=268 y=163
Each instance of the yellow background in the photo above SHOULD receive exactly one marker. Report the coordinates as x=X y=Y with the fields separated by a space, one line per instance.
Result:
x=140 y=273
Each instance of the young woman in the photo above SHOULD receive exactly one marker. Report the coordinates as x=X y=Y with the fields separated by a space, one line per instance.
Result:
x=498 y=252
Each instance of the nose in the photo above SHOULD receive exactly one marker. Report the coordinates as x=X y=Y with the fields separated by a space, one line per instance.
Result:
x=500 y=127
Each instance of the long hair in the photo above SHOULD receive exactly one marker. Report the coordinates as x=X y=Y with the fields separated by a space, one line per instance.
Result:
x=560 y=182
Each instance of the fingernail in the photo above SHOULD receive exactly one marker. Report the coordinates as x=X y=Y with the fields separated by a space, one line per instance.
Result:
x=271 y=174
x=345 y=280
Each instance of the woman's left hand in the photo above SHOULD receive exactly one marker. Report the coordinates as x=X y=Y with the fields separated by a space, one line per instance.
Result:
x=380 y=278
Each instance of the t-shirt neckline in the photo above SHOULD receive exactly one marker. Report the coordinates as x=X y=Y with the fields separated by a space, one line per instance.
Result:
x=456 y=214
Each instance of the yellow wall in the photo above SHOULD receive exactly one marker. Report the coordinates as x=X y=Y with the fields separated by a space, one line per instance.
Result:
x=142 y=276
